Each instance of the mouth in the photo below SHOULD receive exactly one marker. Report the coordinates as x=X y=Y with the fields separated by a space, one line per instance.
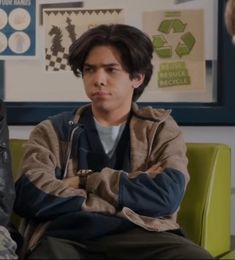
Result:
x=101 y=94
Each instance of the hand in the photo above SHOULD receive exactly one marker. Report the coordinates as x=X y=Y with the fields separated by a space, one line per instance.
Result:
x=156 y=168
x=72 y=182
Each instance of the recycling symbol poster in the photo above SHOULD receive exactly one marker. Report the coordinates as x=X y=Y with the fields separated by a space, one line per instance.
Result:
x=178 y=40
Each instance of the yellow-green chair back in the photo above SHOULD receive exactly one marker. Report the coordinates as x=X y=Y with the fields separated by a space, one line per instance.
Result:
x=205 y=210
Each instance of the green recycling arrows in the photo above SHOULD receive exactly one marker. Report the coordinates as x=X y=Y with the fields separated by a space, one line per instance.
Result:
x=176 y=24
x=163 y=51
x=161 y=45
x=187 y=45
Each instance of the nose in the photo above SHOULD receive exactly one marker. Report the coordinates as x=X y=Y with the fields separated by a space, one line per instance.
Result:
x=99 y=78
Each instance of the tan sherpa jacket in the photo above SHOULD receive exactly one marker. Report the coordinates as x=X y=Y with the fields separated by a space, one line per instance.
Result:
x=43 y=197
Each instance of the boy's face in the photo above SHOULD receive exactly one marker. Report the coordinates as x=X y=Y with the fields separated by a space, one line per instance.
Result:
x=107 y=84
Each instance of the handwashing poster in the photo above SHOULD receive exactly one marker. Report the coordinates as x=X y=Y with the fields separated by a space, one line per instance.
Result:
x=17 y=28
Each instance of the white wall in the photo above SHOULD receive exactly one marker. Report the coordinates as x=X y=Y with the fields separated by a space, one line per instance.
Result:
x=192 y=134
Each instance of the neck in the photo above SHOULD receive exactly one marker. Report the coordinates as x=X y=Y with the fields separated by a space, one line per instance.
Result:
x=107 y=118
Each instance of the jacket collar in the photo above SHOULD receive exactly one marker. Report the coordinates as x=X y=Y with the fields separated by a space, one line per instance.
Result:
x=146 y=113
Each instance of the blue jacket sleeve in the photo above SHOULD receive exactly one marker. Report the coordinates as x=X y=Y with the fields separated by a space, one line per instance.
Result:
x=33 y=202
x=155 y=197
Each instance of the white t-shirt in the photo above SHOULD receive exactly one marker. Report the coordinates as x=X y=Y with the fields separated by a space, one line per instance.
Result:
x=109 y=136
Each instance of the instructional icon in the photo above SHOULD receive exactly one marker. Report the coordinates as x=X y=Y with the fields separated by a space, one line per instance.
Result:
x=19 y=19
x=3 y=19
x=19 y=42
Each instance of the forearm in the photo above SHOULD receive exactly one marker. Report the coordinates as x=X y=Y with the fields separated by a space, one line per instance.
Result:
x=46 y=200
x=155 y=197
x=40 y=191
x=147 y=194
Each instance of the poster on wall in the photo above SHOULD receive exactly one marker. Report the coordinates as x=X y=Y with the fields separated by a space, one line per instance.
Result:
x=179 y=55
x=63 y=26
x=57 y=5
x=17 y=28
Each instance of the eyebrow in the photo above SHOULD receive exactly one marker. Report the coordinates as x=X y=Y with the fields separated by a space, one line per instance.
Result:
x=102 y=65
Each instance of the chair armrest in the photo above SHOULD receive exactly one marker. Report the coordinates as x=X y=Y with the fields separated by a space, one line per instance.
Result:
x=206 y=208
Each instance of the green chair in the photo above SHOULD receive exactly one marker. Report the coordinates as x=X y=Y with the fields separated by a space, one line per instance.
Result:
x=206 y=207
x=16 y=149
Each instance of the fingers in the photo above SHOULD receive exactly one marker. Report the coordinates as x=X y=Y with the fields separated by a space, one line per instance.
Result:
x=156 y=168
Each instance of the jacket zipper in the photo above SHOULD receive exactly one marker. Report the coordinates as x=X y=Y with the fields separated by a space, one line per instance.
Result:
x=80 y=129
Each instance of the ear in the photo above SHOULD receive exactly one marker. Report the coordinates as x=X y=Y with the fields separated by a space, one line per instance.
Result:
x=138 y=80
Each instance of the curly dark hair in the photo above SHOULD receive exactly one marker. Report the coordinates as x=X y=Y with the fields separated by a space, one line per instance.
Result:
x=134 y=46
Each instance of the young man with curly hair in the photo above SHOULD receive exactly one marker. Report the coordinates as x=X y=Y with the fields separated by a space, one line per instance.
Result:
x=106 y=180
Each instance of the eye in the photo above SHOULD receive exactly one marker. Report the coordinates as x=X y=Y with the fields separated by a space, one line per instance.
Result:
x=88 y=69
x=112 y=69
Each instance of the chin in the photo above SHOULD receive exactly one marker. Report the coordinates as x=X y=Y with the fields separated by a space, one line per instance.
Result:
x=101 y=105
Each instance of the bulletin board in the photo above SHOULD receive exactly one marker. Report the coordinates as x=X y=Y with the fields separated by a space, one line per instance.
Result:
x=38 y=89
